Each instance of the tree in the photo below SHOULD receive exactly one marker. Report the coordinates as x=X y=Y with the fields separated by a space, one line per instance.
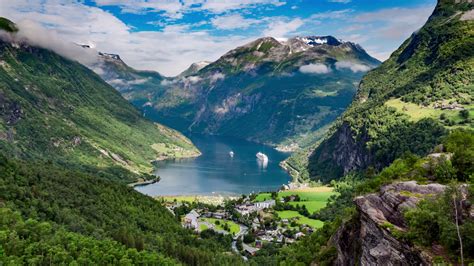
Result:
x=461 y=144
x=249 y=238
x=464 y=113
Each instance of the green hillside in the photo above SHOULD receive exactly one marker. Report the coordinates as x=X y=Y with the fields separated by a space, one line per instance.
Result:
x=55 y=109
x=407 y=104
x=68 y=142
x=51 y=215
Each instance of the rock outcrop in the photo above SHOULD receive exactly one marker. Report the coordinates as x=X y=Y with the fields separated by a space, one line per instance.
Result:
x=340 y=154
x=368 y=239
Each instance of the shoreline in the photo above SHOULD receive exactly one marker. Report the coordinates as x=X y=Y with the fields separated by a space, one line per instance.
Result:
x=190 y=156
x=144 y=182
x=207 y=199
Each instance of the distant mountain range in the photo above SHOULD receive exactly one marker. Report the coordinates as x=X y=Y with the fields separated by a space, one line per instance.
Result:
x=278 y=93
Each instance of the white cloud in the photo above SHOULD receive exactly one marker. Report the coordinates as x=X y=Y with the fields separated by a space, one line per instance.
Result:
x=217 y=76
x=36 y=35
x=176 y=8
x=219 y=6
x=283 y=27
x=340 y=1
x=169 y=51
x=354 y=67
x=315 y=69
x=399 y=22
x=337 y=14
x=235 y=21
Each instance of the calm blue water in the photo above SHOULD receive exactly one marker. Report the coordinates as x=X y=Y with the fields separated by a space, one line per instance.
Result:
x=215 y=172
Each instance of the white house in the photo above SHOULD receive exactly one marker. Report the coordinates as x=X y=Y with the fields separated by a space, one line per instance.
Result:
x=265 y=204
x=191 y=220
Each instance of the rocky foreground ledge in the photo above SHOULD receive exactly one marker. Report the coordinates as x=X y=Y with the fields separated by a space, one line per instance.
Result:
x=367 y=240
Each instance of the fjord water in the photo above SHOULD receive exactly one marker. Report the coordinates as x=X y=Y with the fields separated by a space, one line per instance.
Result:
x=216 y=172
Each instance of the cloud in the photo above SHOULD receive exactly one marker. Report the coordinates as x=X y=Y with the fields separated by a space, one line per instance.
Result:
x=35 y=34
x=230 y=22
x=283 y=27
x=315 y=69
x=340 y=1
x=176 y=8
x=216 y=76
x=169 y=51
x=354 y=67
x=219 y=6
x=399 y=22
x=337 y=14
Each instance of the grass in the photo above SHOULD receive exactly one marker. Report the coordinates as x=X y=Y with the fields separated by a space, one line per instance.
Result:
x=301 y=219
x=203 y=227
x=233 y=227
x=313 y=198
x=179 y=198
x=263 y=197
x=312 y=206
x=417 y=112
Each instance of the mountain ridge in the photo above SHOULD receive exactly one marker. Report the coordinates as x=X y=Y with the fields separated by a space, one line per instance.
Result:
x=218 y=98
x=423 y=90
x=75 y=117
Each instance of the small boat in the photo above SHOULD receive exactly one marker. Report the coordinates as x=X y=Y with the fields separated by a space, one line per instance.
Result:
x=231 y=154
x=262 y=157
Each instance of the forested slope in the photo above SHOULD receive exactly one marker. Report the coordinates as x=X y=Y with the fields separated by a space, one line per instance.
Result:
x=425 y=89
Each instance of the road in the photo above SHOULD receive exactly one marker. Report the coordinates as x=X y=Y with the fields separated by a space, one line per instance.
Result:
x=242 y=232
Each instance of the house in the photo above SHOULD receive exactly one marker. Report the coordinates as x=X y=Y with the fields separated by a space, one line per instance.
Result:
x=219 y=215
x=299 y=234
x=191 y=220
x=249 y=249
x=265 y=204
x=245 y=209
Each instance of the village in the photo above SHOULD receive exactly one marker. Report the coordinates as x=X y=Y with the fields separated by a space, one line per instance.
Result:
x=255 y=220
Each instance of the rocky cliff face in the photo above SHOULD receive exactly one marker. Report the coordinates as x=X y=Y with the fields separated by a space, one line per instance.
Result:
x=345 y=149
x=368 y=239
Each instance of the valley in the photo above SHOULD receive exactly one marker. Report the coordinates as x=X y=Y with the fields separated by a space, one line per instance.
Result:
x=289 y=149
x=283 y=94
x=215 y=172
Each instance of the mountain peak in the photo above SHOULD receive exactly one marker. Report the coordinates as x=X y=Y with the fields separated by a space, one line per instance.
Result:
x=110 y=56
x=194 y=68
x=320 y=40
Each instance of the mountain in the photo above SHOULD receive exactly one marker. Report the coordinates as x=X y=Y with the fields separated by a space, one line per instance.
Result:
x=407 y=104
x=68 y=142
x=56 y=215
x=279 y=93
x=56 y=109
x=194 y=68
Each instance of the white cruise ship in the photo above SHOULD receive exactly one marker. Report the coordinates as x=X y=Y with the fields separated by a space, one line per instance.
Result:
x=262 y=157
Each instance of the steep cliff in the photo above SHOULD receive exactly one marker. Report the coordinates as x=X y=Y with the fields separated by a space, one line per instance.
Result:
x=368 y=239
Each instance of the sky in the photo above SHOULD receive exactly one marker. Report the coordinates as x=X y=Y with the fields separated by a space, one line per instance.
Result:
x=169 y=35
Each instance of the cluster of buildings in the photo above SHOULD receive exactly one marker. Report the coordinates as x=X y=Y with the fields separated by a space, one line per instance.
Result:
x=283 y=233
x=249 y=207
